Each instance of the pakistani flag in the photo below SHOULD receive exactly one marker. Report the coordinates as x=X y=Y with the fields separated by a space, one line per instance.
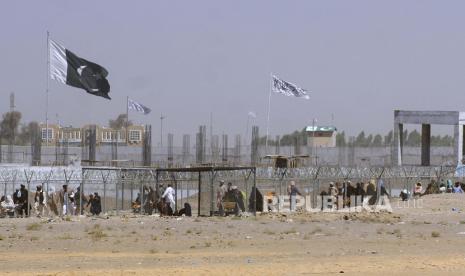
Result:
x=286 y=88
x=133 y=105
x=67 y=68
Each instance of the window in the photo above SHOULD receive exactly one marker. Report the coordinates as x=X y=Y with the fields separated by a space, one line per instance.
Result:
x=134 y=135
x=45 y=132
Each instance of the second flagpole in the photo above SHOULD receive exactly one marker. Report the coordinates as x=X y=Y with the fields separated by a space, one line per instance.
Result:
x=268 y=115
x=47 y=88
x=127 y=120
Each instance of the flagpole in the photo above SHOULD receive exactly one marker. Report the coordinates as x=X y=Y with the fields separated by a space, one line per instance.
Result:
x=127 y=120
x=47 y=88
x=268 y=116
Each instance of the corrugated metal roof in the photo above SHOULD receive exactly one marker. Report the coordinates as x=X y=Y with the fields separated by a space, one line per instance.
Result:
x=321 y=128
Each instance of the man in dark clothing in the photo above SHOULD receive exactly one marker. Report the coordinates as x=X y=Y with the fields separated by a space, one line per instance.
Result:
x=24 y=201
x=187 y=210
x=257 y=197
x=95 y=205
x=293 y=193
x=149 y=201
x=16 y=196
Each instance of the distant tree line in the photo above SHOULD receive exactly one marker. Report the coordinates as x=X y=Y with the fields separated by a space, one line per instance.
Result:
x=412 y=139
x=12 y=130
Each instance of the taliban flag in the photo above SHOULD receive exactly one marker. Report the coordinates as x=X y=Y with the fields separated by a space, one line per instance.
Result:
x=133 y=105
x=67 y=68
x=286 y=88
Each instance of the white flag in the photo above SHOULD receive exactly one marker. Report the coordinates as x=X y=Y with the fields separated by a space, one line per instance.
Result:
x=252 y=114
x=133 y=105
x=286 y=88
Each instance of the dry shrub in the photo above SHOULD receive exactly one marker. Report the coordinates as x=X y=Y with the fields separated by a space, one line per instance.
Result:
x=289 y=231
x=316 y=230
x=97 y=234
x=370 y=217
x=65 y=236
x=268 y=232
x=33 y=227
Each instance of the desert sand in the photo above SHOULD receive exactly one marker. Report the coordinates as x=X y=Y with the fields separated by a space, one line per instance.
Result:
x=426 y=240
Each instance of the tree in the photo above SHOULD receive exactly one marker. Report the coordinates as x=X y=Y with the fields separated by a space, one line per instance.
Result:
x=24 y=136
x=377 y=141
x=9 y=125
x=360 y=140
x=368 y=141
x=388 y=138
x=447 y=141
x=341 y=139
x=413 y=139
x=120 y=122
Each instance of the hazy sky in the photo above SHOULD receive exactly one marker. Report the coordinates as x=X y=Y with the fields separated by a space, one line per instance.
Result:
x=185 y=59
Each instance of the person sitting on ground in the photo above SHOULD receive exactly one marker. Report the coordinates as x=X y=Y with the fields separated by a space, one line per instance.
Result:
x=418 y=189
x=136 y=204
x=2 y=210
x=404 y=195
x=442 y=188
x=458 y=188
x=8 y=206
x=449 y=186
x=239 y=198
x=187 y=210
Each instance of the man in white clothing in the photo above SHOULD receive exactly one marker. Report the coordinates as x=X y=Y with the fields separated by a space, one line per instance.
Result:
x=168 y=195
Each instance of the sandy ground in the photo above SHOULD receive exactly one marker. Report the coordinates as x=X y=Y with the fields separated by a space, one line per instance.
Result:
x=429 y=240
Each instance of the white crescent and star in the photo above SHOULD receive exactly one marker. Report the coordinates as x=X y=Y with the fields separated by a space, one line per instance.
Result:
x=79 y=70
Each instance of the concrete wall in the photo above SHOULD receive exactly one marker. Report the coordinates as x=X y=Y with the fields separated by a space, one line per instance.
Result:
x=346 y=156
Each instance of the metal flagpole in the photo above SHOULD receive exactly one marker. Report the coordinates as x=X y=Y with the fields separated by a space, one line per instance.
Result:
x=127 y=122
x=47 y=88
x=268 y=116
x=246 y=139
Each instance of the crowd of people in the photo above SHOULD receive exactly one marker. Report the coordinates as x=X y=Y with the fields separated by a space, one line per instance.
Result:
x=62 y=203
x=162 y=200
x=433 y=188
x=229 y=199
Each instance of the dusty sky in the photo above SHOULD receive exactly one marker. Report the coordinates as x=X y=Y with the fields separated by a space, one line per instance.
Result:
x=186 y=59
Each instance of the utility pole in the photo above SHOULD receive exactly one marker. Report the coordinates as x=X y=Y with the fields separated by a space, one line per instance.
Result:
x=161 y=130
x=313 y=142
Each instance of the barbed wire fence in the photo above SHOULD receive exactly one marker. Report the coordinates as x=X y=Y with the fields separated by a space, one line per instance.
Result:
x=118 y=187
